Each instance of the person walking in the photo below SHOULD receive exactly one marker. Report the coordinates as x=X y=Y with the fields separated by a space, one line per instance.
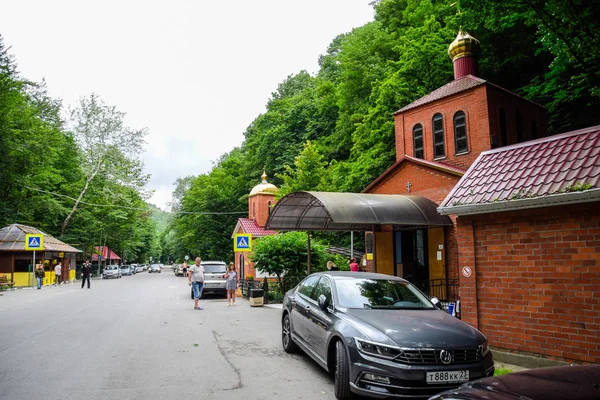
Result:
x=39 y=275
x=331 y=266
x=86 y=272
x=196 y=281
x=231 y=285
x=57 y=274
x=354 y=267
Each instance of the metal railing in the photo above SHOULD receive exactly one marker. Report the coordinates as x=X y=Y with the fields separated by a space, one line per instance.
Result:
x=446 y=290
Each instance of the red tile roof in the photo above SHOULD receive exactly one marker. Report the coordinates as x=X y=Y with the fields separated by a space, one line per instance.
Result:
x=456 y=86
x=530 y=170
x=105 y=252
x=250 y=226
x=430 y=164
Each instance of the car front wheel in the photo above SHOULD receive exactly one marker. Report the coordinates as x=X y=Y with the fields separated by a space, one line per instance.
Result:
x=341 y=385
x=286 y=335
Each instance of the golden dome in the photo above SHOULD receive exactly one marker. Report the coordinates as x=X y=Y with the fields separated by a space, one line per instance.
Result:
x=463 y=46
x=264 y=187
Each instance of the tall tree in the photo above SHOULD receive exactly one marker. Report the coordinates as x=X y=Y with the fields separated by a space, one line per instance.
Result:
x=107 y=145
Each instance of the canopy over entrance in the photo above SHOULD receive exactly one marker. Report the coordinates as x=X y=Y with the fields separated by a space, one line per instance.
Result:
x=330 y=211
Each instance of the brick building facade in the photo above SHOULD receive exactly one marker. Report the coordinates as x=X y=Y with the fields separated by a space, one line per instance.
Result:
x=535 y=269
x=260 y=201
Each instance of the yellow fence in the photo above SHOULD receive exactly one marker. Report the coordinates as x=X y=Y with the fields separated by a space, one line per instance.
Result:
x=23 y=279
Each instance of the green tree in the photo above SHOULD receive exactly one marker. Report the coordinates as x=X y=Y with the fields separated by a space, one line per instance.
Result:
x=308 y=172
x=286 y=255
x=107 y=145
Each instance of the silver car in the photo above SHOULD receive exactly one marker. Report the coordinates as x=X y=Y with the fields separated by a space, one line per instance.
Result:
x=111 y=271
x=214 y=277
x=154 y=268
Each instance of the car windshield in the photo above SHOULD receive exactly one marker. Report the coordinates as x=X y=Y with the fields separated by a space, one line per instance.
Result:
x=379 y=294
x=111 y=268
x=155 y=266
x=215 y=268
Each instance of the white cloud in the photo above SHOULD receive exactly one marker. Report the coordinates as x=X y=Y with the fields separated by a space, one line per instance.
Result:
x=195 y=73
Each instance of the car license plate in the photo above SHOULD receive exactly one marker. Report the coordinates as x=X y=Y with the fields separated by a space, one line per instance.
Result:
x=447 y=377
x=211 y=285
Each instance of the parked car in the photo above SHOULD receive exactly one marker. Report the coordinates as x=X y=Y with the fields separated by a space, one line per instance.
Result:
x=125 y=270
x=139 y=268
x=574 y=382
x=111 y=271
x=154 y=268
x=214 y=277
x=380 y=336
x=178 y=269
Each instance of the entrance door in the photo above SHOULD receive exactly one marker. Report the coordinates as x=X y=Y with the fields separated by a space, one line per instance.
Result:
x=414 y=255
x=437 y=263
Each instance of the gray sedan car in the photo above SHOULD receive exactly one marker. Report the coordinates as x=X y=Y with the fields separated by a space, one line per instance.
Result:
x=111 y=271
x=380 y=336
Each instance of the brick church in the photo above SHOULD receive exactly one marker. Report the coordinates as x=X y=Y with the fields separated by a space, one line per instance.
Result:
x=525 y=207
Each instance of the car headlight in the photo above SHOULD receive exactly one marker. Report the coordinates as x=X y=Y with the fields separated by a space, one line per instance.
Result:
x=377 y=349
x=484 y=349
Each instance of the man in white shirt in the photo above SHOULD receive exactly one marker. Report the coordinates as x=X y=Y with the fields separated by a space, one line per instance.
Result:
x=57 y=272
x=196 y=280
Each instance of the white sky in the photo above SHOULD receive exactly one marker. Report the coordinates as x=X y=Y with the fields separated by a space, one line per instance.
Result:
x=196 y=73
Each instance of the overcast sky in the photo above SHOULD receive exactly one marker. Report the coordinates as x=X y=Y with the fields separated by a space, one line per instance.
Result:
x=195 y=73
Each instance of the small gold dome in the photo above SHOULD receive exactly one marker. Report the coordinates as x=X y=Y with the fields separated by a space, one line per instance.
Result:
x=463 y=46
x=264 y=187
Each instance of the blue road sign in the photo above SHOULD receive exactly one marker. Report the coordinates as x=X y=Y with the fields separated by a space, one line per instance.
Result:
x=243 y=242
x=34 y=242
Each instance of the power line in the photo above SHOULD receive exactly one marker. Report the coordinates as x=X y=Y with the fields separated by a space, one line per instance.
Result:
x=134 y=208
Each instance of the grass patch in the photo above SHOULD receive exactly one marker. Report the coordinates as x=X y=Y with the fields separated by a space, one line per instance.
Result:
x=502 y=371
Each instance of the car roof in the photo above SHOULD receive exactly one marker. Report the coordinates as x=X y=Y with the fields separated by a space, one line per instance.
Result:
x=213 y=262
x=359 y=275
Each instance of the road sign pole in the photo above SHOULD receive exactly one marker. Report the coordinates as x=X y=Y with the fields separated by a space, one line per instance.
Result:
x=33 y=272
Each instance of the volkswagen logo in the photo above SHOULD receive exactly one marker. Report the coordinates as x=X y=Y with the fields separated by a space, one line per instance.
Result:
x=445 y=356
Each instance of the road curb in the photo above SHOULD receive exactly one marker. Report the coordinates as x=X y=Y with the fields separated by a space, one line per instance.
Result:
x=524 y=360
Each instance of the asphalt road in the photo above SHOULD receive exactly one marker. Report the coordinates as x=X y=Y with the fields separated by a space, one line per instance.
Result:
x=140 y=338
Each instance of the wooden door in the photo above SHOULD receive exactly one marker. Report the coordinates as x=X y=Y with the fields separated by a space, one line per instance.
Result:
x=437 y=262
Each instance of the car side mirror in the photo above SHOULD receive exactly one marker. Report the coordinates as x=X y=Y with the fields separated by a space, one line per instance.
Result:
x=436 y=302
x=323 y=302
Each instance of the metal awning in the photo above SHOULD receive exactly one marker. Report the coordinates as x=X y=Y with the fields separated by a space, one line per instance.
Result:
x=330 y=211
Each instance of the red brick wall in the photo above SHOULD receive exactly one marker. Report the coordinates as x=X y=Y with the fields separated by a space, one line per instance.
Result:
x=432 y=184
x=537 y=280
x=258 y=207
x=474 y=104
x=498 y=99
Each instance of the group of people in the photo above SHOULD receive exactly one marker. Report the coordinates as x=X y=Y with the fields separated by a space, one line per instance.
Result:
x=40 y=274
x=195 y=275
x=354 y=267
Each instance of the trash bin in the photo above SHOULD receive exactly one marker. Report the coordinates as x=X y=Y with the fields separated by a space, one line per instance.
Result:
x=257 y=297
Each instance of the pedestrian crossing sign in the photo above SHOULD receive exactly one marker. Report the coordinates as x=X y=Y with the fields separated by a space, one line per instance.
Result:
x=34 y=242
x=242 y=242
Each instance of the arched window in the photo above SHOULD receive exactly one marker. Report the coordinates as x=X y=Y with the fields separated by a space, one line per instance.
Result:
x=460 y=133
x=439 y=149
x=503 y=128
x=534 y=132
x=418 y=141
x=519 y=121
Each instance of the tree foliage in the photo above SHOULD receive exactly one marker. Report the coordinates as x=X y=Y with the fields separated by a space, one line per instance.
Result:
x=44 y=166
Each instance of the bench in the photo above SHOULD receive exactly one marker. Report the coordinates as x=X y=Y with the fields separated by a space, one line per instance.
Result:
x=5 y=284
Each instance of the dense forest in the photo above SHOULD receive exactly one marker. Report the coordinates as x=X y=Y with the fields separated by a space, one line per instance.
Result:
x=331 y=131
